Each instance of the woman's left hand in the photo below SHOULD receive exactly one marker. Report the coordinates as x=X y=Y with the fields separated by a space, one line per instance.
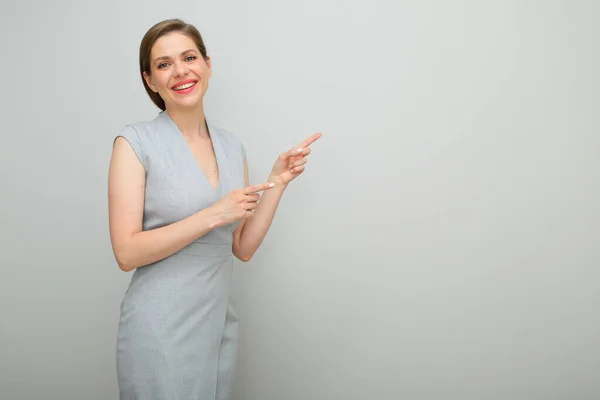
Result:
x=292 y=163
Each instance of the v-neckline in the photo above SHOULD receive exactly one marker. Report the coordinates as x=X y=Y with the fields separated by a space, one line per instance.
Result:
x=189 y=151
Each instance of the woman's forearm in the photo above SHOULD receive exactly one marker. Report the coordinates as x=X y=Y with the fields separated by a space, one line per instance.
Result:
x=147 y=247
x=255 y=229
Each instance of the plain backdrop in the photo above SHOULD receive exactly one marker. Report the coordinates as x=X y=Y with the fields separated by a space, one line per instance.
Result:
x=442 y=243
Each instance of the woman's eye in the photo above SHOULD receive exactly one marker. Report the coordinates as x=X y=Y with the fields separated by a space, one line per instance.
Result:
x=162 y=65
x=190 y=58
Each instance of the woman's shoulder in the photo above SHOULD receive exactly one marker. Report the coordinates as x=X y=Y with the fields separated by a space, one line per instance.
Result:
x=228 y=138
x=140 y=135
x=225 y=135
x=142 y=130
x=143 y=127
x=221 y=131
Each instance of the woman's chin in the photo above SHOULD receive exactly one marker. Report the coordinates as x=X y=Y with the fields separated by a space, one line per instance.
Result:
x=187 y=103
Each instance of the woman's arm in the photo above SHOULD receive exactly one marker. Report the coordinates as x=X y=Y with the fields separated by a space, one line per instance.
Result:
x=133 y=247
x=249 y=235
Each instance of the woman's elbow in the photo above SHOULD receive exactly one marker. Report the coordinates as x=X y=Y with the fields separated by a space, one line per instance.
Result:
x=124 y=261
x=124 y=265
x=244 y=257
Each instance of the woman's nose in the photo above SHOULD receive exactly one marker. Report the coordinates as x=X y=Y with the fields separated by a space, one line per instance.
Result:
x=181 y=69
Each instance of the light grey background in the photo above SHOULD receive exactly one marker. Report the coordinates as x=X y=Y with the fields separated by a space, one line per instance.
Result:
x=442 y=244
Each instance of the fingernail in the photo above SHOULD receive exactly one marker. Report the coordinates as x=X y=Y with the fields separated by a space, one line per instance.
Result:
x=271 y=184
x=299 y=150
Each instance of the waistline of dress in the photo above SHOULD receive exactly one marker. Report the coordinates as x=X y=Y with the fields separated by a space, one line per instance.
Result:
x=209 y=250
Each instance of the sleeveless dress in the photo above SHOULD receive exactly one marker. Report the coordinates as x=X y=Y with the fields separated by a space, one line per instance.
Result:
x=177 y=333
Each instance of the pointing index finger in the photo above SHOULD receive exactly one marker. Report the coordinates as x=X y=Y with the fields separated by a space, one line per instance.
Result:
x=310 y=140
x=296 y=150
x=259 y=187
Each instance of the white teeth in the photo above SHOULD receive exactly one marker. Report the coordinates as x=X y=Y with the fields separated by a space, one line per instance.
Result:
x=187 y=85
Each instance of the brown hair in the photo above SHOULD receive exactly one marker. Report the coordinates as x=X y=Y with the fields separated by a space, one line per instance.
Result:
x=154 y=33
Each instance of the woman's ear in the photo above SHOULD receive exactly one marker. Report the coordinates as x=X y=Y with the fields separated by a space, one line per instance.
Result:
x=148 y=80
x=209 y=64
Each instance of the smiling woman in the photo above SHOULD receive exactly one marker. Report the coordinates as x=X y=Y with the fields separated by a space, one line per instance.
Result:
x=170 y=45
x=180 y=209
x=166 y=64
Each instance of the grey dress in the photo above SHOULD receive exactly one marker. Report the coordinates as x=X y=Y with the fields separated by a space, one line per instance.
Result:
x=177 y=334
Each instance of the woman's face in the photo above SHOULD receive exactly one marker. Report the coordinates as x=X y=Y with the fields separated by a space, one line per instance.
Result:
x=177 y=71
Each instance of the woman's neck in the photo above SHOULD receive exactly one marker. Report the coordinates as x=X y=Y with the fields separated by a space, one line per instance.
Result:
x=191 y=122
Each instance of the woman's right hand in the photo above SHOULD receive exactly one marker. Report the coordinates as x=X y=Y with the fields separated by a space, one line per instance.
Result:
x=238 y=204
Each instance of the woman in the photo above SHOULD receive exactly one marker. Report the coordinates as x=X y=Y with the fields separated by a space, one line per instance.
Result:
x=180 y=208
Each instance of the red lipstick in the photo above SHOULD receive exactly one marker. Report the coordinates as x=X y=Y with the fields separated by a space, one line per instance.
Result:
x=185 y=91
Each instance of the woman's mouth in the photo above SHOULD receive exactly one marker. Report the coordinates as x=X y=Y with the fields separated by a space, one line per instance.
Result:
x=185 y=87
